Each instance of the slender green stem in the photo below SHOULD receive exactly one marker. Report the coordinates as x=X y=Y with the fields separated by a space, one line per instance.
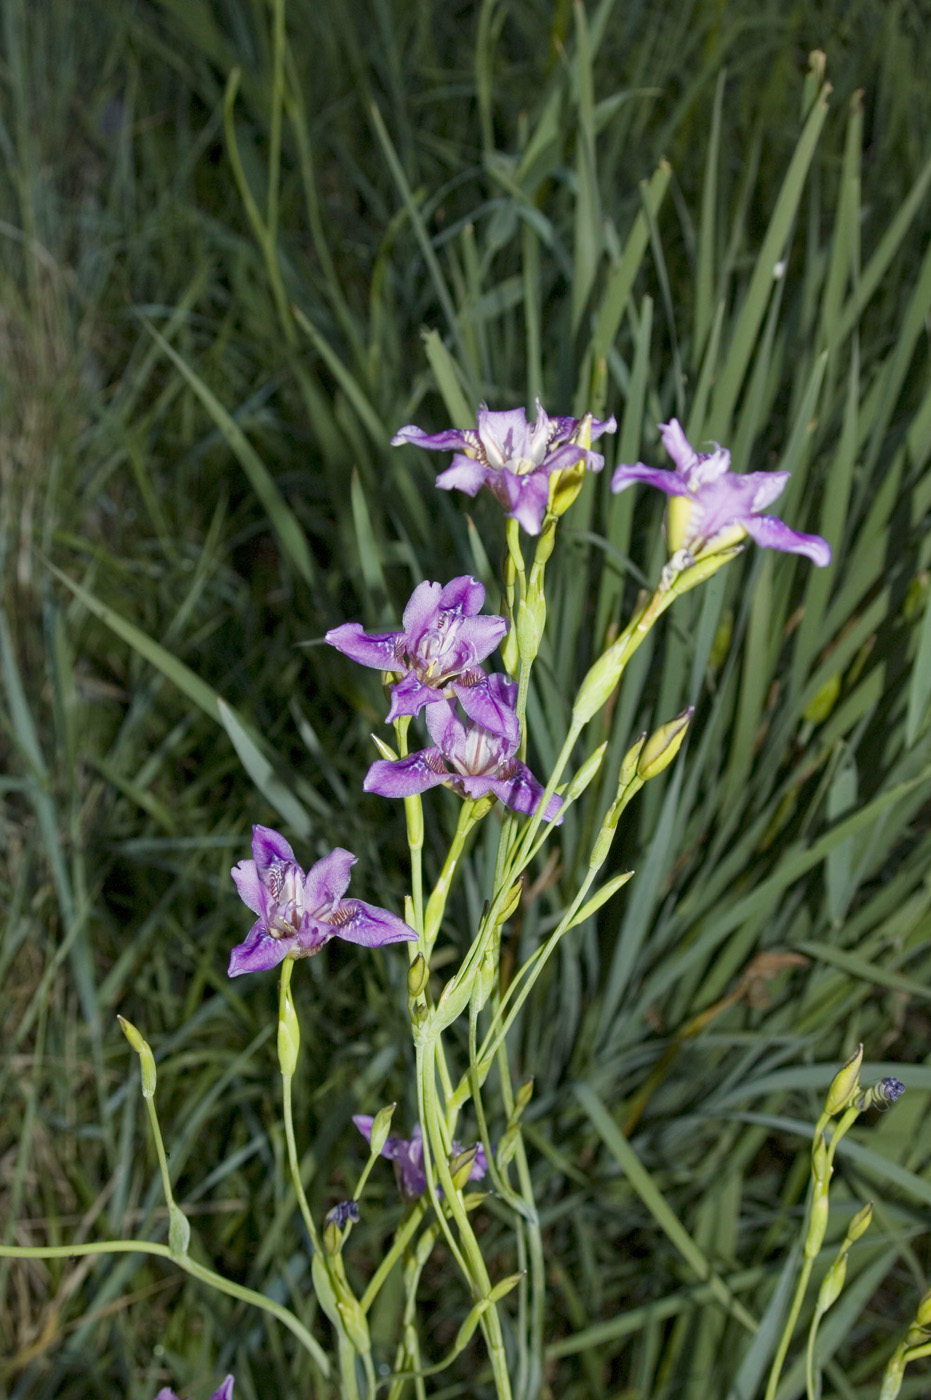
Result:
x=294 y=1165
x=474 y=1270
x=190 y=1266
x=436 y=904
x=160 y=1150
x=405 y=1233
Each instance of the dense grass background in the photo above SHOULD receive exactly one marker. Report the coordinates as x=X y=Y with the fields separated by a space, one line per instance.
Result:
x=587 y=204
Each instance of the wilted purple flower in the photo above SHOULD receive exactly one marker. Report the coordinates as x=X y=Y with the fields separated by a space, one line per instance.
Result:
x=468 y=758
x=407 y=1155
x=298 y=913
x=224 y=1393
x=513 y=458
x=438 y=652
x=712 y=507
x=342 y=1213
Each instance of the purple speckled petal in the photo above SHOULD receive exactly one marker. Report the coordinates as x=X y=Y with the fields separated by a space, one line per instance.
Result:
x=363 y=923
x=766 y=487
x=434 y=442
x=483 y=704
x=463 y=595
x=775 y=534
x=569 y=455
x=445 y=727
x=259 y=952
x=504 y=435
x=465 y=474
x=710 y=468
x=250 y=888
x=480 y=1165
x=527 y=497
x=521 y=792
x=378 y=651
x=405 y=777
x=409 y=696
x=663 y=480
x=421 y=609
x=270 y=849
x=677 y=445
x=327 y=881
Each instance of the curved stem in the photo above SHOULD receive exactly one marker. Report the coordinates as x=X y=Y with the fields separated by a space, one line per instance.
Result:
x=190 y=1266
x=398 y=1246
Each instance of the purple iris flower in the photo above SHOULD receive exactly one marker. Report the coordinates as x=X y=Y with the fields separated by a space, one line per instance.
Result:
x=713 y=508
x=298 y=913
x=438 y=652
x=468 y=758
x=513 y=458
x=224 y=1393
x=407 y=1155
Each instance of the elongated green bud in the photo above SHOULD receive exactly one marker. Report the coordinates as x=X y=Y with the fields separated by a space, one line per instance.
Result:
x=860 y=1223
x=384 y=749
x=597 y=686
x=585 y=774
x=565 y=487
x=817 y=1224
x=460 y=1168
x=484 y=983
x=844 y=1084
x=381 y=1125
x=531 y=619
x=332 y=1238
x=502 y=1289
x=923 y=1315
x=630 y=765
x=663 y=745
x=507 y=1146
x=523 y=1097
x=820 y=1168
x=832 y=1284
x=289 y=1034
x=600 y=897
x=146 y=1058
x=418 y=976
x=473 y=1318
x=353 y=1318
x=179 y=1230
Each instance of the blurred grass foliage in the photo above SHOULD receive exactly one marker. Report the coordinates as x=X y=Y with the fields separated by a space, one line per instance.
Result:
x=225 y=228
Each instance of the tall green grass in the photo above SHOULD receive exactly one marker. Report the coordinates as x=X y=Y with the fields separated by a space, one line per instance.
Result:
x=241 y=245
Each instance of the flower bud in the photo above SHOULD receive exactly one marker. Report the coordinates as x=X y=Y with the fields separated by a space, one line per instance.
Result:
x=146 y=1058
x=523 y=1097
x=600 y=897
x=630 y=764
x=531 y=619
x=502 y=1289
x=597 y=686
x=923 y=1315
x=289 y=1035
x=817 y=1223
x=353 y=1318
x=179 y=1230
x=464 y=1335
x=332 y=1238
x=663 y=745
x=585 y=774
x=484 y=981
x=507 y=1146
x=460 y=1167
x=418 y=975
x=832 y=1284
x=565 y=486
x=860 y=1222
x=820 y=1169
x=844 y=1084
x=384 y=749
x=381 y=1124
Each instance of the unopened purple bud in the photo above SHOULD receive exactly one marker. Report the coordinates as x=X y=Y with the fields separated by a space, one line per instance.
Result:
x=888 y=1090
